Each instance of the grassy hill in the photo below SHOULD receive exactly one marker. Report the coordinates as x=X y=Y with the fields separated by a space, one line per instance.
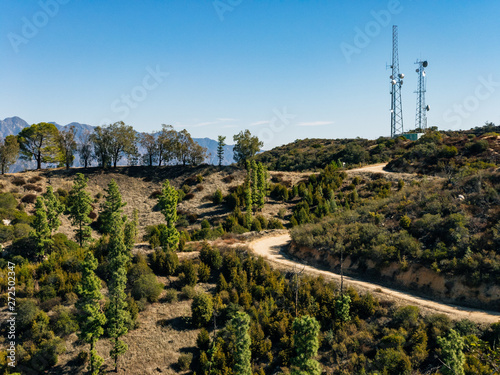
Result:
x=446 y=225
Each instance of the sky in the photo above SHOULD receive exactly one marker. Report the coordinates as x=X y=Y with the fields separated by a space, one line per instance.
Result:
x=285 y=70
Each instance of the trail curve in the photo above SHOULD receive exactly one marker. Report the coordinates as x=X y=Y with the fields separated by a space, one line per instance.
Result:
x=271 y=248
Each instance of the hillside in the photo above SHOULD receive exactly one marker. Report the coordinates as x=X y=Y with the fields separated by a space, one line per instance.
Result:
x=315 y=154
x=384 y=222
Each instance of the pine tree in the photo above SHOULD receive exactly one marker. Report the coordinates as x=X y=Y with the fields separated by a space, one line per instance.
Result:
x=306 y=346
x=41 y=227
x=242 y=354
x=253 y=177
x=248 y=202
x=130 y=231
x=91 y=318
x=220 y=148
x=342 y=308
x=54 y=209
x=167 y=201
x=79 y=209
x=452 y=352
x=261 y=185
x=112 y=204
x=116 y=313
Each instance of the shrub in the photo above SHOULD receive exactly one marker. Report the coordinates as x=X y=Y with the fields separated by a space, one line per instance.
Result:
x=65 y=322
x=6 y=233
x=92 y=215
x=82 y=357
x=61 y=192
x=256 y=226
x=188 y=196
x=211 y=256
x=228 y=179
x=21 y=230
x=199 y=178
x=192 y=218
x=203 y=340
x=405 y=222
x=31 y=187
x=263 y=221
x=34 y=179
x=188 y=273
x=29 y=198
x=203 y=272
x=201 y=309
x=184 y=361
x=276 y=224
x=7 y=201
x=477 y=147
x=200 y=187
x=147 y=286
x=217 y=198
x=171 y=295
x=188 y=292
x=18 y=181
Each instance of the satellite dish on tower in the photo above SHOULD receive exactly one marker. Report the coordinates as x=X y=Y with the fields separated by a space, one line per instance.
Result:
x=424 y=64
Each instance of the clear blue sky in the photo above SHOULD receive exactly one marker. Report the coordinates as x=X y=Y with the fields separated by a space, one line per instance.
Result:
x=274 y=67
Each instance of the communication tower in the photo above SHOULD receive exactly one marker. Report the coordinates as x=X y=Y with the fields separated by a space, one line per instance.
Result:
x=422 y=108
x=396 y=83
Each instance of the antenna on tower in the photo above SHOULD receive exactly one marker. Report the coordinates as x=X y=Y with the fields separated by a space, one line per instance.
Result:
x=396 y=83
x=422 y=108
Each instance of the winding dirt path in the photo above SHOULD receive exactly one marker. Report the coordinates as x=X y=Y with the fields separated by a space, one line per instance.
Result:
x=270 y=248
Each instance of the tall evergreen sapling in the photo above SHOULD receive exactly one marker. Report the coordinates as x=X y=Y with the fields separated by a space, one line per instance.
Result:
x=220 y=148
x=41 y=227
x=91 y=317
x=261 y=185
x=242 y=354
x=248 y=198
x=116 y=313
x=306 y=346
x=130 y=231
x=112 y=204
x=167 y=201
x=80 y=208
x=54 y=209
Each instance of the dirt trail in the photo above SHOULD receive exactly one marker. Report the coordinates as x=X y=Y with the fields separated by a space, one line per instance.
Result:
x=271 y=248
x=372 y=168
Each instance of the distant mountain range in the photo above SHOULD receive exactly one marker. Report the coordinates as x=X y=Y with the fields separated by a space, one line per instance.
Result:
x=13 y=125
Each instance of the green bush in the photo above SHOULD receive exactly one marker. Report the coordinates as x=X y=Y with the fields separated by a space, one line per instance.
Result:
x=187 y=273
x=171 y=296
x=203 y=272
x=7 y=201
x=217 y=197
x=6 y=233
x=147 y=286
x=188 y=292
x=21 y=230
x=184 y=361
x=201 y=309
x=203 y=340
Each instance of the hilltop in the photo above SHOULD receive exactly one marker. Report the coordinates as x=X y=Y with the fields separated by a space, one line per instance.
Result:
x=13 y=125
